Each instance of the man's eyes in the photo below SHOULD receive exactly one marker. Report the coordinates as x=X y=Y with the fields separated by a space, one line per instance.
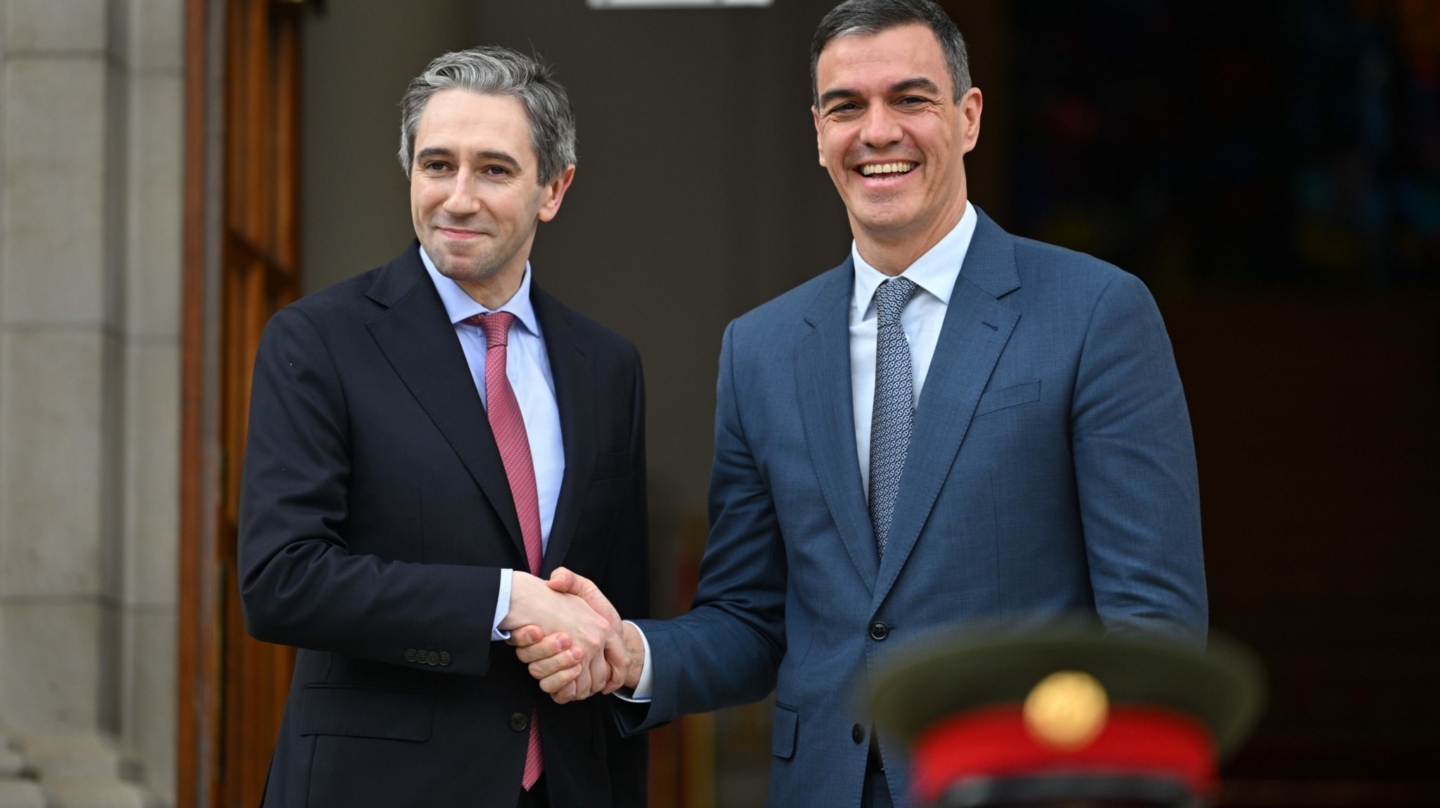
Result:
x=442 y=167
x=915 y=101
x=848 y=108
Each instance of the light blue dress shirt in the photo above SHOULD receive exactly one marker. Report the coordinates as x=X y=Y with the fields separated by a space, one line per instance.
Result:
x=527 y=366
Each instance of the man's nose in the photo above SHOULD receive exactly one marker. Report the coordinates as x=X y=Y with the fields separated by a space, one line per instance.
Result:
x=881 y=127
x=464 y=197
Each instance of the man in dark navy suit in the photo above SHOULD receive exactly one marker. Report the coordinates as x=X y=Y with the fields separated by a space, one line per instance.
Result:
x=428 y=441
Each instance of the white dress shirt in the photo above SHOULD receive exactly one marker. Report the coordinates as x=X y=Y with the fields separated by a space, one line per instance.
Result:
x=935 y=274
x=527 y=366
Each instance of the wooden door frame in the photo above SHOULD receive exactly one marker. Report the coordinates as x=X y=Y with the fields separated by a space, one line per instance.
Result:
x=197 y=657
x=240 y=264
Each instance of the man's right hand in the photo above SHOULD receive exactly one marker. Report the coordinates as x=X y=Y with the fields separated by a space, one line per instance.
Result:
x=590 y=637
x=549 y=661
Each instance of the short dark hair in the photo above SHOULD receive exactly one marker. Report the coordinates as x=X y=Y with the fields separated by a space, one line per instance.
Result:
x=875 y=16
x=493 y=70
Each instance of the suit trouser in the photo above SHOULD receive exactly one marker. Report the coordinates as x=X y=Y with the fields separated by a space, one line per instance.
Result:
x=876 y=791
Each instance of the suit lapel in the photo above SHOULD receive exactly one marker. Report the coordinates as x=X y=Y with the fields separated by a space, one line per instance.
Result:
x=574 y=390
x=822 y=373
x=416 y=336
x=975 y=331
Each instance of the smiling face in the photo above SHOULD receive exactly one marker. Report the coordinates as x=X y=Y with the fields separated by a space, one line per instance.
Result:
x=892 y=137
x=475 y=197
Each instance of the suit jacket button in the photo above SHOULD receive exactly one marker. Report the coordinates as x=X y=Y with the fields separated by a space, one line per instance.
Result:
x=519 y=722
x=879 y=631
x=857 y=734
x=432 y=658
x=410 y=655
x=444 y=658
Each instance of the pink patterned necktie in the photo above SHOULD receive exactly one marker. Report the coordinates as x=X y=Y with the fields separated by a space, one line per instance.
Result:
x=509 y=427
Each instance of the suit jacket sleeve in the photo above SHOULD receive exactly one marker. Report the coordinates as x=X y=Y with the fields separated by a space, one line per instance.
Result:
x=1135 y=469
x=300 y=583
x=726 y=650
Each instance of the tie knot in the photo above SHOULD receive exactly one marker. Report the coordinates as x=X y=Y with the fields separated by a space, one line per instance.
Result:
x=496 y=327
x=890 y=299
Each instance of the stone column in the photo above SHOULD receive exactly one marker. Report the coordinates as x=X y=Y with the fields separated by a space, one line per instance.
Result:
x=59 y=363
x=153 y=62
x=90 y=132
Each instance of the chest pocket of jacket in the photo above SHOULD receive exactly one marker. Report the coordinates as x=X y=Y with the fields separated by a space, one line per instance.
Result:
x=1012 y=396
x=610 y=464
x=367 y=712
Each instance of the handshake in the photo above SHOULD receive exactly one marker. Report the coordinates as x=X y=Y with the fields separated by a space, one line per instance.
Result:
x=571 y=637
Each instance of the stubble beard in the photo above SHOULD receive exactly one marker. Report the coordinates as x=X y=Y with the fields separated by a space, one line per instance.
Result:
x=471 y=270
x=481 y=266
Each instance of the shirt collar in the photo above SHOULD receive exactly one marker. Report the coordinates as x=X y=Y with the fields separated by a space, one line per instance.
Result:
x=936 y=271
x=459 y=305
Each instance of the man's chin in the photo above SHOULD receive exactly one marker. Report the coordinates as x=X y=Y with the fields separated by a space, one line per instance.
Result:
x=467 y=273
x=884 y=221
x=882 y=208
x=461 y=267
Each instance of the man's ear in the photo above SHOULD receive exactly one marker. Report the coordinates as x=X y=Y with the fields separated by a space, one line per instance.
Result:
x=971 y=105
x=815 y=115
x=555 y=193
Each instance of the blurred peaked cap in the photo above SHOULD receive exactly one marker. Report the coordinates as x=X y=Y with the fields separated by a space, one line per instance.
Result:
x=964 y=669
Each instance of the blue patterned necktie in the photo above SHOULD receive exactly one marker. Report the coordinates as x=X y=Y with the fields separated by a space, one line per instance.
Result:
x=894 y=412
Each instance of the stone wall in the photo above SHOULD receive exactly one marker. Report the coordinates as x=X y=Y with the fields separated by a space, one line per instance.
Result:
x=90 y=227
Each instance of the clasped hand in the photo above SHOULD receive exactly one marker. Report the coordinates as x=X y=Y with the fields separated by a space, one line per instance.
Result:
x=569 y=635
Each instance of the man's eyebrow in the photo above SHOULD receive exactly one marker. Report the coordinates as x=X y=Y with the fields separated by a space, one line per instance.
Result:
x=433 y=151
x=917 y=83
x=499 y=156
x=836 y=94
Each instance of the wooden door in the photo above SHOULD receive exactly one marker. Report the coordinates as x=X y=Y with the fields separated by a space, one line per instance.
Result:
x=241 y=265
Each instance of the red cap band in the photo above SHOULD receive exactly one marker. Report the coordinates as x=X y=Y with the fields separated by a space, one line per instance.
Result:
x=994 y=742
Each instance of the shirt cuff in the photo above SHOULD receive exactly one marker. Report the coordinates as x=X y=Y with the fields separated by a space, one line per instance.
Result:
x=502 y=606
x=641 y=693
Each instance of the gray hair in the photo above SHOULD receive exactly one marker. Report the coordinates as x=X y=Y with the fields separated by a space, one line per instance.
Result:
x=875 y=16
x=493 y=70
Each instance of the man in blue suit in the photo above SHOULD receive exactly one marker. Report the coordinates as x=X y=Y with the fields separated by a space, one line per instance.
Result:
x=953 y=424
